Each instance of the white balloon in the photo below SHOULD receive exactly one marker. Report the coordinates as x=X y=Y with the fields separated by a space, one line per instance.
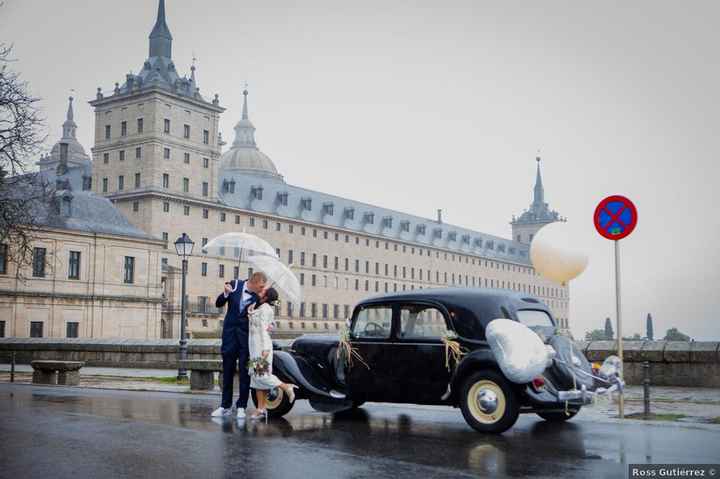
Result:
x=555 y=255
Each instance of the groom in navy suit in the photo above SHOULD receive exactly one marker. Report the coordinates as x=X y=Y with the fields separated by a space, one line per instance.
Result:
x=238 y=295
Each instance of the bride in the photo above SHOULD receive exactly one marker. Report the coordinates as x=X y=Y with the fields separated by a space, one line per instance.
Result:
x=262 y=316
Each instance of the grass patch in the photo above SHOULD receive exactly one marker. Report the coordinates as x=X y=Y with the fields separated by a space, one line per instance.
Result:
x=656 y=417
x=166 y=380
x=715 y=420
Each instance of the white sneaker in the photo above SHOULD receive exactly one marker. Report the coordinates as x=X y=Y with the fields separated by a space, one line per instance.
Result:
x=221 y=411
x=241 y=413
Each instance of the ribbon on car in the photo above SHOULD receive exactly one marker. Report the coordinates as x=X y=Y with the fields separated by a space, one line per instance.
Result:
x=453 y=350
x=346 y=352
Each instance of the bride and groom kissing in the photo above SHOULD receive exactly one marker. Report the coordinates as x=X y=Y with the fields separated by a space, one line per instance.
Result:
x=246 y=338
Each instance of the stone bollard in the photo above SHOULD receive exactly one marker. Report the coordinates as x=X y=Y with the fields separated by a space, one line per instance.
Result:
x=45 y=376
x=646 y=388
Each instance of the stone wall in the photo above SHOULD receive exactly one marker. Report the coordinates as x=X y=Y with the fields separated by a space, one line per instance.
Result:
x=672 y=363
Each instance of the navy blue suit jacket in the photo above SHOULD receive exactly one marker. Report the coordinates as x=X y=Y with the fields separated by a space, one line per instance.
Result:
x=235 y=325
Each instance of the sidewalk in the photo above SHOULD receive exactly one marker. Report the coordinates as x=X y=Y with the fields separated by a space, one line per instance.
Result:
x=695 y=405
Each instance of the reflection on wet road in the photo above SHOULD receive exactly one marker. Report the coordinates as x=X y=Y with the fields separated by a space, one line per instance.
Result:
x=64 y=432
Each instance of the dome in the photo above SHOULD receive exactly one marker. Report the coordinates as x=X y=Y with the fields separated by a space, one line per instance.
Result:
x=244 y=154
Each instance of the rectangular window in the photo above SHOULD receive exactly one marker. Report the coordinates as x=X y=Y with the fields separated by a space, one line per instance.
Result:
x=314 y=280
x=106 y=158
x=39 y=262
x=166 y=207
x=221 y=270
x=236 y=272
x=186 y=158
x=123 y=128
x=203 y=269
x=107 y=132
x=71 y=329
x=186 y=131
x=206 y=137
x=129 y=276
x=36 y=329
x=302 y=258
x=140 y=125
x=237 y=219
x=289 y=309
x=121 y=182
x=290 y=256
x=166 y=153
x=206 y=213
x=205 y=188
x=325 y=261
x=422 y=322
x=186 y=185
x=3 y=258
x=121 y=155
x=346 y=308
x=206 y=163
x=166 y=180
x=313 y=310
x=165 y=238
x=302 y=279
x=324 y=311
x=381 y=319
x=138 y=153
x=166 y=127
x=2 y=329
x=105 y=185
x=74 y=265
x=337 y=263
x=302 y=310
x=137 y=180
x=222 y=217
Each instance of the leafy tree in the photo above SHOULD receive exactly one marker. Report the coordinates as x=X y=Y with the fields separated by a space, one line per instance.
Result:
x=634 y=337
x=673 y=334
x=609 y=333
x=595 y=335
x=649 y=332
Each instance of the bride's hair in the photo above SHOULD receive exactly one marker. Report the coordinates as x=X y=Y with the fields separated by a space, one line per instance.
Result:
x=271 y=296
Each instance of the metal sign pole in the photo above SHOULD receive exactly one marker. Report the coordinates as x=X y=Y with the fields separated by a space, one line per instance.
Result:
x=621 y=402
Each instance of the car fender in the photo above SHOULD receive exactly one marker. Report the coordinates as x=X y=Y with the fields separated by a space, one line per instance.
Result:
x=471 y=362
x=297 y=370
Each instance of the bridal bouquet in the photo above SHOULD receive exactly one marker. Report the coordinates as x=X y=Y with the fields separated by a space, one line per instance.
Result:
x=260 y=365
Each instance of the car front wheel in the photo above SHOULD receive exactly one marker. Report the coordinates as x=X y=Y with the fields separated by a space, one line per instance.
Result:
x=488 y=402
x=278 y=403
x=561 y=416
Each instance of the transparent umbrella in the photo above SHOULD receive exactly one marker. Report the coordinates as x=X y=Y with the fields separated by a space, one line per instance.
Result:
x=279 y=275
x=240 y=246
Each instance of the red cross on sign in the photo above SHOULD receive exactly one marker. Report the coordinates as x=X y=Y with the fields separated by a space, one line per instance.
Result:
x=615 y=217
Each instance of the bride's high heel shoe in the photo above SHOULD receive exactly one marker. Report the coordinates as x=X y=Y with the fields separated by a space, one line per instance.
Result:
x=260 y=413
x=291 y=392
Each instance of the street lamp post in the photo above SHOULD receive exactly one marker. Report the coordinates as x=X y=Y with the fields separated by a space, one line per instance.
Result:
x=183 y=246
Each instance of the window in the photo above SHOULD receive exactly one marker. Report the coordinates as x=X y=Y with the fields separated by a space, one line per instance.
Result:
x=313 y=310
x=324 y=311
x=236 y=272
x=252 y=221
x=166 y=128
x=137 y=180
x=537 y=321
x=2 y=329
x=203 y=269
x=129 y=276
x=38 y=264
x=186 y=131
x=138 y=153
x=3 y=258
x=165 y=238
x=121 y=182
x=289 y=309
x=36 y=329
x=265 y=224
x=302 y=258
x=206 y=213
x=186 y=158
x=302 y=279
x=206 y=163
x=325 y=261
x=123 y=128
x=186 y=185
x=106 y=158
x=74 y=265
x=314 y=280
x=205 y=188
x=237 y=219
x=278 y=227
x=136 y=206
x=107 y=132
x=121 y=155
x=373 y=322
x=71 y=329
x=166 y=180
x=221 y=270
x=105 y=185
x=166 y=207
x=290 y=256
x=336 y=264
x=206 y=137
x=140 y=125
x=222 y=217
x=166 y=153
x=422 y=322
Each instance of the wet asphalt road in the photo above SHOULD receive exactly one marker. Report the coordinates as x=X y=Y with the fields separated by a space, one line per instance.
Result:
x=56 y=432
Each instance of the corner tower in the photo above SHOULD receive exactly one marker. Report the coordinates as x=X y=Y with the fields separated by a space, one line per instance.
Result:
x=157 y=143
x=526 y=226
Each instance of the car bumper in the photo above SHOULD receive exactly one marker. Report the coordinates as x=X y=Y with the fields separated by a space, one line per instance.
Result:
x=549 y=397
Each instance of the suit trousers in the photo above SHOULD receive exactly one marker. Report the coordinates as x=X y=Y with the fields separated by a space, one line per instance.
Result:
x=231 y=355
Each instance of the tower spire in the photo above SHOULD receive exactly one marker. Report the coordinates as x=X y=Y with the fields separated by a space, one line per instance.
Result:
x=245 y=107
x=539 y=193
x=69 y=127
x=244 y=129
x=160 y=37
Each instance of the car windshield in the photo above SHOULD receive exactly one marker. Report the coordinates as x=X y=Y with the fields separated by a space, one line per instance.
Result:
x=537 y=321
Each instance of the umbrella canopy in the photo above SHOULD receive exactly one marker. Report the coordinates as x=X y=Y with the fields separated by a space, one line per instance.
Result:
x=239 y=246
x=279 y=275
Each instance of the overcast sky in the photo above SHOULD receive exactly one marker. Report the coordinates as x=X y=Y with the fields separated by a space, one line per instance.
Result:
x=422 y=105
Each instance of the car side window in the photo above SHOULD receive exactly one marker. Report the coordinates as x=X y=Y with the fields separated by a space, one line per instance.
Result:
x=421 y=322
x=373 y=322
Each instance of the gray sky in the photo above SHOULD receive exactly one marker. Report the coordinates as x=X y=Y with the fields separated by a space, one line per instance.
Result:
x=443 y=105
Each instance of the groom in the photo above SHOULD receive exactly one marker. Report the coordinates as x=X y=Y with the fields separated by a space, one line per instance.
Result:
x=238 y=295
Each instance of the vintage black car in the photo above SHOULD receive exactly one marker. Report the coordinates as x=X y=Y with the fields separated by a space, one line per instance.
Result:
x=402 y=359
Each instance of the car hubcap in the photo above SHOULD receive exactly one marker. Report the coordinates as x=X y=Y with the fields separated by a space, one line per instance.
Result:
x=274 y=398
x=486 y=401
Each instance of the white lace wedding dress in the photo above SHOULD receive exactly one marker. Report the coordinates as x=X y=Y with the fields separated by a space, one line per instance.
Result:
x=258 y=341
